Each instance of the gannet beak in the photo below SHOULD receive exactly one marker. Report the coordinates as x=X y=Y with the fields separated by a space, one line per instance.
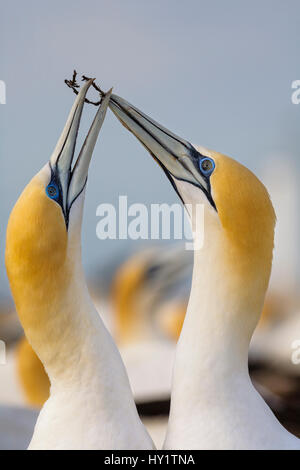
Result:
x=72 y=181
x=81 y=167
x=177 y=157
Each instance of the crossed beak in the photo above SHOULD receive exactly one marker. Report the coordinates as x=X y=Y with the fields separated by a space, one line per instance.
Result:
x=72 y=178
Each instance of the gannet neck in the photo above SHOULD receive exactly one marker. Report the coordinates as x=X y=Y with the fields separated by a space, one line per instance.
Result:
x=91 y=404
x=213 y=402
x=219 y=321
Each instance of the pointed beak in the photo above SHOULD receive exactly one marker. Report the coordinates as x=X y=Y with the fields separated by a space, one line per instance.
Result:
x=177 y=157
x=81 y=167
x=73 y=180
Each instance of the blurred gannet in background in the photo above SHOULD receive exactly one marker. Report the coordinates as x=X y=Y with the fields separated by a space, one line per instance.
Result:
x=213 y=402
x=32 y=376
x=91 y=404
x=143 y=291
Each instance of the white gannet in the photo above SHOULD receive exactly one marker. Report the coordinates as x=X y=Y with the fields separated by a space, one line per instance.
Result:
x=213 y=402
x=91 y=404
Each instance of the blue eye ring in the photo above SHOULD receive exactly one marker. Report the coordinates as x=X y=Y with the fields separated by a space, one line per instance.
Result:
x=52 y=191
x=207 y=166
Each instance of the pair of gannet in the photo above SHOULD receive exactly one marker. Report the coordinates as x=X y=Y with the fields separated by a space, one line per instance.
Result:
x=91 y=404
x=147 y=307
x=146 y=299
x=213 y=404
x=146 y=319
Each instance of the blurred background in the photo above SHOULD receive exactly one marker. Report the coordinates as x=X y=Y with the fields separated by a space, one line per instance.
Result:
x=217 y=73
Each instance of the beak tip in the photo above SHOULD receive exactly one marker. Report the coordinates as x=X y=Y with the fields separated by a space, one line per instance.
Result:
x=106 y=98
x=87 y=85
x=109 y=92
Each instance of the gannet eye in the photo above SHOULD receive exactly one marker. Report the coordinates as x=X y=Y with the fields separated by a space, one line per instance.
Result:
x=52 y=191
x=207 y=166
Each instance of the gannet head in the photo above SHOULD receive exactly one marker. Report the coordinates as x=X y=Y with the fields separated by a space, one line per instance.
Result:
x=43 y=233
x=239 y=215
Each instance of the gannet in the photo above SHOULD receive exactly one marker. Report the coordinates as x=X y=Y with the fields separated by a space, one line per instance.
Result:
x=213 y=402
x=91 y=404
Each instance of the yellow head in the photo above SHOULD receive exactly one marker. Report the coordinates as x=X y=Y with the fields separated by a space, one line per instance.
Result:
x=43 y=258
x=239 y=217
x=36 y=251
x=247 y=218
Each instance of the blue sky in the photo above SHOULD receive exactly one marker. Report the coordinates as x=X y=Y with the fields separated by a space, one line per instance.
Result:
x=217 y=73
